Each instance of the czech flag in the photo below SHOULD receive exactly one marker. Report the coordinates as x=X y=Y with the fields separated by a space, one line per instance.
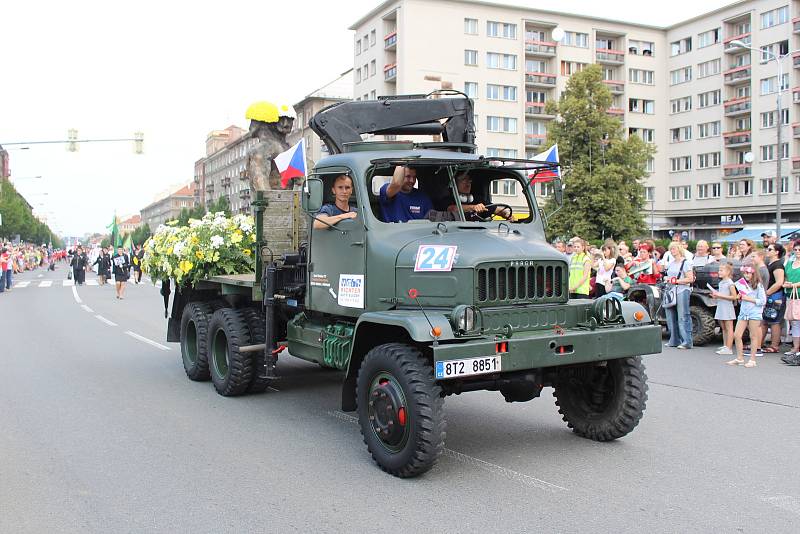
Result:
x=292 y=163
x=546 y=175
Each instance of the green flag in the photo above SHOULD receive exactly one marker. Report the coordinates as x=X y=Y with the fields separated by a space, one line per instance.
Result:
x=115 y=237
x=127 y=245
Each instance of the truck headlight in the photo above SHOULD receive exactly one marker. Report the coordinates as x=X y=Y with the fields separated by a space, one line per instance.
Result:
x=607 y=310
x=466 y=319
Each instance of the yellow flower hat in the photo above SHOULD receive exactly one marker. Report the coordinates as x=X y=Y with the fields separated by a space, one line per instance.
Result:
x=262 y=111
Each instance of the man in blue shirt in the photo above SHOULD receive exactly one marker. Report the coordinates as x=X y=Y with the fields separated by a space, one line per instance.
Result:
x=400 y=201
x=330 y=214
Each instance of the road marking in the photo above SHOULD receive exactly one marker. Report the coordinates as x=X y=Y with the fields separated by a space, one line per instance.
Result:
x=45 y=283
x=784 y=502
x=145 y=340
x=75 y=294
x=22 y=284
x=477 y=463
x=741 y=397
x=87 y=308
x=104 y=320
x=67 y=283
x=92 y=283
x=40 y=276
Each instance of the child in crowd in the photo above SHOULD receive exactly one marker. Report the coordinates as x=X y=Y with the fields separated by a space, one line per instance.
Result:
x=619 y=284
x=753 y=297
x=725 y=295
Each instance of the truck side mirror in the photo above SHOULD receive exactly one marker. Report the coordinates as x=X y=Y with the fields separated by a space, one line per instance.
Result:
x=558 y=191
x=311 y=197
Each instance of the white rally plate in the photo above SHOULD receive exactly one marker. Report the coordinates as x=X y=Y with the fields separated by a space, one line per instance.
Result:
x=468 y=367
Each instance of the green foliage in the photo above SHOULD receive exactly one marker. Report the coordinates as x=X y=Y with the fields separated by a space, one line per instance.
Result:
x=18 y=219
x=604 y=192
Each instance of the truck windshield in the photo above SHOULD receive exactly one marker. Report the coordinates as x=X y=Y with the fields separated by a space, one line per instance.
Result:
x=456 y=192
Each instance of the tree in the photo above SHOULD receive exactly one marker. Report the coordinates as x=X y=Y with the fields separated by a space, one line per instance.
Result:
x=603 y=194
x=19 y=220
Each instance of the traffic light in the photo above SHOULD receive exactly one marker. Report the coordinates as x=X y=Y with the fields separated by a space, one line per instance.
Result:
x=72 y=138
x=138 y=142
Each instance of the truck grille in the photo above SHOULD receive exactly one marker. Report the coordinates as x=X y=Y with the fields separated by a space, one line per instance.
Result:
x=533 y=283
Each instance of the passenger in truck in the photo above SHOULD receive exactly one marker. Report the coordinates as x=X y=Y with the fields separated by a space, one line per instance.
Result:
x=400 y=201
x=340 y=209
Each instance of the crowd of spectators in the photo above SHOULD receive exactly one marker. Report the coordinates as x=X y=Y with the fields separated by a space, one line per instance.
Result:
x=18 y=258
x=758 y=287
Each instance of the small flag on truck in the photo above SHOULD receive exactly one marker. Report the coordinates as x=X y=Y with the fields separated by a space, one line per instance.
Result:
x=292 y=163
x=546 y=175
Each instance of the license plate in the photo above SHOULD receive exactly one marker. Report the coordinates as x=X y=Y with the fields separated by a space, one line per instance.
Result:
x=468 y=367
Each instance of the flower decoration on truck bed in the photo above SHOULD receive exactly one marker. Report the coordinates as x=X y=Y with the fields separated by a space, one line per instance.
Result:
x=213 y=245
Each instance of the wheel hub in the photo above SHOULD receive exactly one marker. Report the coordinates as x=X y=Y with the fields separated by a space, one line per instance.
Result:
x=387 y=412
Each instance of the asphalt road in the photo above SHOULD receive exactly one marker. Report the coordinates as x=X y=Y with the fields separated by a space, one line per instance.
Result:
x=100 y=431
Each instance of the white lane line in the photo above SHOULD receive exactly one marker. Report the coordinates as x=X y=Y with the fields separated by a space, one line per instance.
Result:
x=67 y=283
x=40 y=276
x=87 y=308
x=145 y=340
x=45 y=283
x=104 y=320
x=22 y=284
x=92 y=283
x=483 y=465
x=75 y=294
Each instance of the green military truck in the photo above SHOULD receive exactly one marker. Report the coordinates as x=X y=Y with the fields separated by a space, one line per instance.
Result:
x=412 y=312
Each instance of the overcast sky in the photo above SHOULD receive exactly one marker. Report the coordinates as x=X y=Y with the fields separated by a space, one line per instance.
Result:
x=175 y=71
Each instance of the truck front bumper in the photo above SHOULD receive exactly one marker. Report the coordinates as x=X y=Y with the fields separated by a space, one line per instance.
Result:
x=550 y=348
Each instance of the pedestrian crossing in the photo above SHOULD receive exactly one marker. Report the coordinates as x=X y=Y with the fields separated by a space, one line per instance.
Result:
x=21 y=284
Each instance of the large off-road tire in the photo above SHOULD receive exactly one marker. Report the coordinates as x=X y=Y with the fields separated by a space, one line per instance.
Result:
x=703 y=325
x=400 y=410
x=257 y=325
x=602 y=402
x=231 y=370
x=194 y=340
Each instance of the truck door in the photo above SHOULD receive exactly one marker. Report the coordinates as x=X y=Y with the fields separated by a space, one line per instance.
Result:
x=336 y=278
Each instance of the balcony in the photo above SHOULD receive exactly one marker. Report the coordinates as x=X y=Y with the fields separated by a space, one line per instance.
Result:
x=243 y=175
x=616 y=87
x=728 y=48
x=540 y=79
x=737 y=170
x=796 y=95
x=390 y=41
x=796 y=25
x=244 y=210
x=390 y=73
x=535 y=140
x=608 y=56
x=737 y=106
x=737 y=138
x=795 y=165
x=796 y=130
x=244 y=193
x=617 y=113
x=209 y=188
x=226 y=181
x=796 y=60
x=536 y=109
x=737 y=75
x=540 y=48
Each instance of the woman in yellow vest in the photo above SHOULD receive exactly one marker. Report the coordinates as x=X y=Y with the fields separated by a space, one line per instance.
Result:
x=580 y=270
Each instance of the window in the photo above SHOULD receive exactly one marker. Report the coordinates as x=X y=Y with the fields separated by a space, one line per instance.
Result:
x=650 y=166
x=637 y=105
x=708 y=191
x=501 y=124
x=471 y=89
x=358 y=75
x=471 y=26
x=471 y=57
x=769 y=85
x=769 y=118
x=535 y=35
x=775 y=49
x=644 y=77
x=568 y=68
x=501 y=152
x=501 y=29
x=372 y=38
x=504 y=187
x=535 y=65
x=580 y=40
x=678 y=135
x=681 y=192
x=535 y=127
x=709 y=68
x=643 y=48
x=501 y=61
x=681 y=47
x=649 y=194
x=768 y=152
x=775 y=17
x=535 y=96
x=501 y=92
x=740 y=188
x=708 y=38
x=679 y=105
x=707 y=161
x=647 y=135
x=545 y=189
x=358 y=46
x=372 y=68
x=679 y=164
x=768 y=185
x=710 y=98
x=681 y=75
x=373 y=95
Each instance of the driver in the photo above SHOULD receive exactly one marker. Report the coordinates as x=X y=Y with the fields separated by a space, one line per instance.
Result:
x=330 y=214
x=472 y=204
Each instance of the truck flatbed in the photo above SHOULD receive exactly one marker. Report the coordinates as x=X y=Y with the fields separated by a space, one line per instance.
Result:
x=245 y=280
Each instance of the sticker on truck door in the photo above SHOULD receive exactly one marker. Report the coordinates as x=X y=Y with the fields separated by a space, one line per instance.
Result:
x=351 y=290
x=435 y=258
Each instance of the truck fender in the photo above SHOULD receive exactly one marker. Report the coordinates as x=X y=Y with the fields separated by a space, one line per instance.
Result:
x=629 y=308
x=377 y=328
x=704 y=299
x=646 y=295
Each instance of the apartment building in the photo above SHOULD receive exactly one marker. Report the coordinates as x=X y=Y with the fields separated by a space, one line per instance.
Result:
x=222 y=172
x=683 y=88
x=168 y=207
x=338 y=90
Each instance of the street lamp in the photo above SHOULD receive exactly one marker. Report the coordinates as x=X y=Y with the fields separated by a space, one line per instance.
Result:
x=779 y=178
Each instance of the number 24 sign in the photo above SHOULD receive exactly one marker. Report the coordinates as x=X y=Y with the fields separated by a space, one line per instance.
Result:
x=435 y=258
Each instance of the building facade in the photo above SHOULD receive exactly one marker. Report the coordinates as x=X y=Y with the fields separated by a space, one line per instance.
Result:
x=169 y=207
x=704 y=103
x=222 y=172
x=129 y=224
x=339 y=90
